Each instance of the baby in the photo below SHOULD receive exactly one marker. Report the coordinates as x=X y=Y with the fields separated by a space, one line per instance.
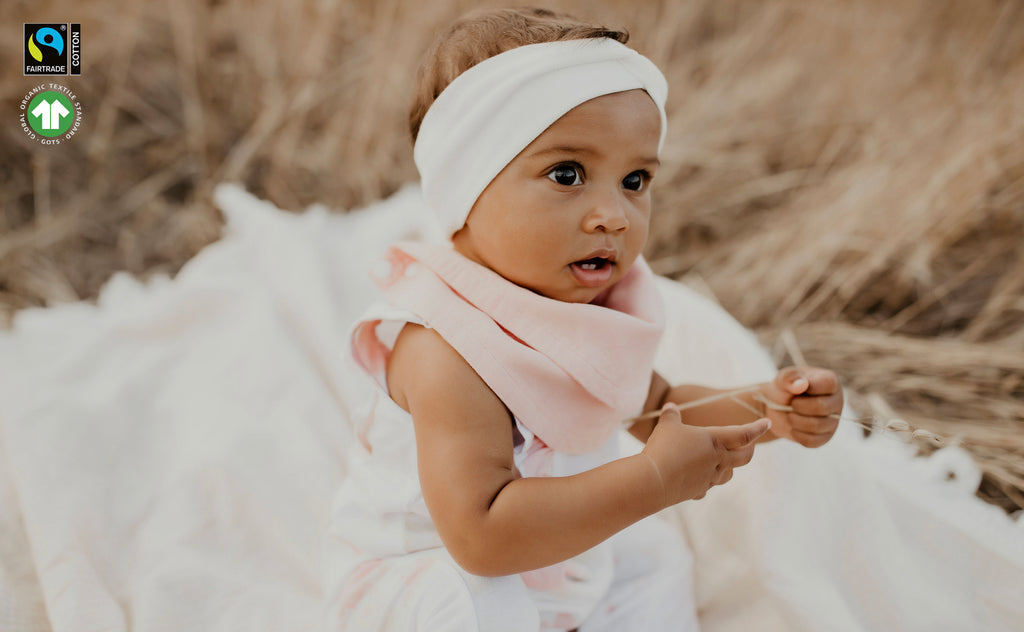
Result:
x=487 y=492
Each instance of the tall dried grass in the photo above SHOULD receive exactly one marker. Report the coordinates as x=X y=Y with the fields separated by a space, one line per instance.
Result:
x=850 y=171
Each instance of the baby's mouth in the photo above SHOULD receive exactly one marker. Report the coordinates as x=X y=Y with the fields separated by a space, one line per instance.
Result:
x=593 y=272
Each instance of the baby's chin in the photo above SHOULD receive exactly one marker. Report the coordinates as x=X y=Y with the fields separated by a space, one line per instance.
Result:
x=578 y=294
x=566 y=295
x=595 y=296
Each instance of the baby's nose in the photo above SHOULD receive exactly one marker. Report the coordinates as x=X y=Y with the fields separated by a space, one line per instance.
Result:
x=608 y=213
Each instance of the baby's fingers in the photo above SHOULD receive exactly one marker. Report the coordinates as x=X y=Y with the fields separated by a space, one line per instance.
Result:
x=741 y=453
x=812 y=432
x=733 y=438
x=818 y=405
x=738 y=457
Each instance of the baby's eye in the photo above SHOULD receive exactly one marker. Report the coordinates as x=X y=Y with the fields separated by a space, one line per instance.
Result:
x=636 y=180
x=567 y=175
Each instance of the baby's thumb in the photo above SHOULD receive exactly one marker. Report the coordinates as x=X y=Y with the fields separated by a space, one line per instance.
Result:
x=669 y=412
x=791 y=381
x=736 y=437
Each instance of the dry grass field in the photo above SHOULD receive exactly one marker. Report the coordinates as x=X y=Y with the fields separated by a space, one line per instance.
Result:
x=845 y=176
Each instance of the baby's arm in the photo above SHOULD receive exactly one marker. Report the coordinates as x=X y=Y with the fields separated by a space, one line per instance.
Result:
x=813 y=393
x=495 y=523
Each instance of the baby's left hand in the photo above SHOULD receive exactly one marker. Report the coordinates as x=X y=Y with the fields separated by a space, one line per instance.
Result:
x=814 y=395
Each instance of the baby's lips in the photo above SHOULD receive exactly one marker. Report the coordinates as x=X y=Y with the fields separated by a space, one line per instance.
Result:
x=602 y=253
x=592 y=278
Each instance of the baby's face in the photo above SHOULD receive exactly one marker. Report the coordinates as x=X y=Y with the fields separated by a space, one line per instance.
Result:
x=569 y=215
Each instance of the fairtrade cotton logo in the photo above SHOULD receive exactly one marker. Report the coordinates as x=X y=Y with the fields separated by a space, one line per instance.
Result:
x=47 y=37
x=53 y=49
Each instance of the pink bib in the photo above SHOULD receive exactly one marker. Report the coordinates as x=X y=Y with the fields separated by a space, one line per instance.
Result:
x=570 y=372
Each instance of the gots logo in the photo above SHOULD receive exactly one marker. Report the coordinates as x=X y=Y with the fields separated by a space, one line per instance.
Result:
x=50 y=115
x=50 y=47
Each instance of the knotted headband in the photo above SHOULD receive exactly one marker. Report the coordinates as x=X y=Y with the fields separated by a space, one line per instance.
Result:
x=492 y=111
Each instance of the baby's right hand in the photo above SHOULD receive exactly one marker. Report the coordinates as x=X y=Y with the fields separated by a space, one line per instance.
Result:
x=693 y=459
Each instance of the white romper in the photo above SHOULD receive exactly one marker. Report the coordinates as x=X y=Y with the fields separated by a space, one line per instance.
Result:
x=385 y=568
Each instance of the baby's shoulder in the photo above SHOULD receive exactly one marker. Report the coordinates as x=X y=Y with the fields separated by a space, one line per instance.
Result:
x=416 y=345
x=423 y=364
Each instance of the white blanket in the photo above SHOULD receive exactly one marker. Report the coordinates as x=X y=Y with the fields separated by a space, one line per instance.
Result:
x=167 y=458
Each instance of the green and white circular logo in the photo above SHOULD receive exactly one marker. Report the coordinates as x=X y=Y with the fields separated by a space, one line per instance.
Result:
x=50 y=116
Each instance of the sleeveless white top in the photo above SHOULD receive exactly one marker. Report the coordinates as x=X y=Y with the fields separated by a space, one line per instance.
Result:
x=379 y=511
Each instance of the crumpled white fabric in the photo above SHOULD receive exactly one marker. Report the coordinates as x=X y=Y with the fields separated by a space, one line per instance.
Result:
x=167 y=459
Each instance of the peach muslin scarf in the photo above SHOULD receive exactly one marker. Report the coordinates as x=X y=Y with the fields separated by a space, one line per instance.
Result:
x=570 y=372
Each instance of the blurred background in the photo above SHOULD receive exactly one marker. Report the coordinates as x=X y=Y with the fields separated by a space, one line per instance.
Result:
x=845 y=176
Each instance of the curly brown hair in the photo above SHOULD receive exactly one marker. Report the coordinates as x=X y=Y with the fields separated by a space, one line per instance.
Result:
x=483 y=34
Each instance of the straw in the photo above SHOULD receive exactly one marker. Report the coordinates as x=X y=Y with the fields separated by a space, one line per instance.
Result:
x=868 y=423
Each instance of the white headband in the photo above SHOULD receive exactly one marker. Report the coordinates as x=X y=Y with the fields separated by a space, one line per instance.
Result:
x=491 y=112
